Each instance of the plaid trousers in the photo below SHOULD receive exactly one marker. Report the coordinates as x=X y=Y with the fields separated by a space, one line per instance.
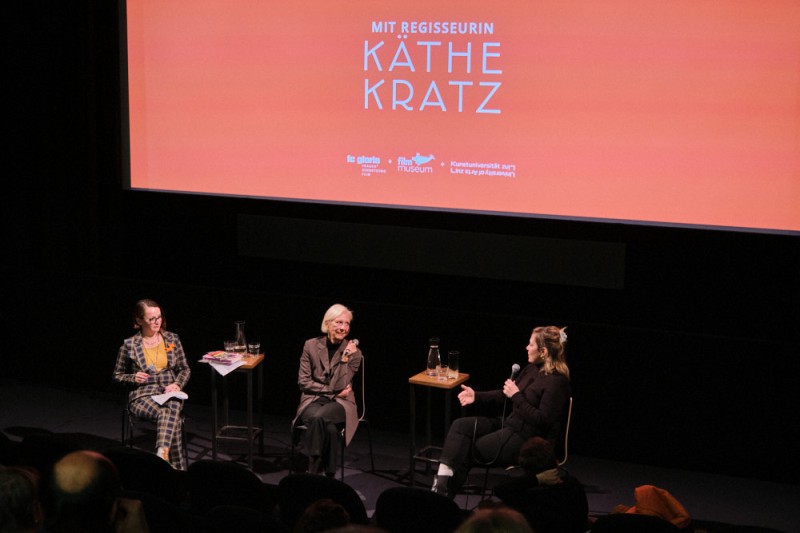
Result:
x=168 y=421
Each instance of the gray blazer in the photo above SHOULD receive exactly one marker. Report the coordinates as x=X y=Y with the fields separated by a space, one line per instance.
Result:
x=318 y=377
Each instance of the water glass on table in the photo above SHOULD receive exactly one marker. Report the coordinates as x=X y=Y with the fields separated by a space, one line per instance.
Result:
x=441 y=372
x=230 y=346
x=253 y=348
x=452 y=364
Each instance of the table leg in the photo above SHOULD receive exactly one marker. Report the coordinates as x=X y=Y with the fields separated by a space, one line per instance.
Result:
x=412 y=417
x=448 y=406
x=250 y=420
x=428 y=431
x=214 y=421
x=261 y=409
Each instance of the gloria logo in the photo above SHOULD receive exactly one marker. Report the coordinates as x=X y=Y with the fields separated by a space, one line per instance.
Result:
x=415 y=164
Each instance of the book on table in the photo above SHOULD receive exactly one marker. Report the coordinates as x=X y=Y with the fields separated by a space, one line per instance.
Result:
x=222 y=357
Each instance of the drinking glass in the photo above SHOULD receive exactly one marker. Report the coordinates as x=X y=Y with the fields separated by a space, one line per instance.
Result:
x=253 y=348
x=441 y=373
x=230 y=346
x=452 y=363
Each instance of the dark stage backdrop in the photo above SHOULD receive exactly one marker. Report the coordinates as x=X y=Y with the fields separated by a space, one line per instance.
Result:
x=683 y=343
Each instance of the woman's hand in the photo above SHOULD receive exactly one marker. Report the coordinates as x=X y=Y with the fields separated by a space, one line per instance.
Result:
x=172 y=387
x=141 y=377
x=349 y=349
x=510 y=388
x=466 y=396
x=345 y=392
x=549 y=477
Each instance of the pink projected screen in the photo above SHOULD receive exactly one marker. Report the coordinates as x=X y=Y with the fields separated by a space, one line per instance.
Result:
x=683 y=112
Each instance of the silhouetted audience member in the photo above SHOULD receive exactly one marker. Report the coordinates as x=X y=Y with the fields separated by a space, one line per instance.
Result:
x=552 y=500
x=322 y=515
x=83 y=495
x=20 y=509
x=496 y=519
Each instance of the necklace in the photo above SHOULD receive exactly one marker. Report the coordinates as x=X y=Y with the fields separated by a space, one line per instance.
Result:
x=156 y=340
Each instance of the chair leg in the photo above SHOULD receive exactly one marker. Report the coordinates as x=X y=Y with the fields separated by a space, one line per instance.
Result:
x=185 y=443
x=294 y=437
x=371 y=456
x=123 y=427
x=485 y=483
x=342 y=446
x=291 y=451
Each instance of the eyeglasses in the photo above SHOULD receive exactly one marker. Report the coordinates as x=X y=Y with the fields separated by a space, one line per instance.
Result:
x=153 y=319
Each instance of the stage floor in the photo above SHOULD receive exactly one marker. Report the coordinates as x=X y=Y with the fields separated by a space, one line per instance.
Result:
x=95 y=417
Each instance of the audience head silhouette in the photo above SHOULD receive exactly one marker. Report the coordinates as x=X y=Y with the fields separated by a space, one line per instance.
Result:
x=537 y=455
x=82 y=493
x=322 y=515
x=495 y=520
x=20 y=509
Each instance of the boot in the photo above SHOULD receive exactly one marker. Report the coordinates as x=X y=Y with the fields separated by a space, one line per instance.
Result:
x=440 y=485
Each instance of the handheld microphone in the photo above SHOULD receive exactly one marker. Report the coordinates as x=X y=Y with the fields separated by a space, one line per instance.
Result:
x=355 y=341
x=514 y=371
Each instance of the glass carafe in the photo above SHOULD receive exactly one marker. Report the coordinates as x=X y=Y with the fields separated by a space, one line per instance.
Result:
x=434 y=359
x=241 y=342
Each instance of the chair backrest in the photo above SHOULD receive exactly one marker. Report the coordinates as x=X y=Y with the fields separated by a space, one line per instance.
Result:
x=362 y=398
x=632 y=523
x=213 y=483
x=562 y=451
x=403 y=509
x=297 y=491
x=144 y=471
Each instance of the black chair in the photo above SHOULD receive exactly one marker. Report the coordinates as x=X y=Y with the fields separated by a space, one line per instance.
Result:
x=42 y=450
x=297 y=491
x=632 y=523
x=299 y=429
x=215 y=483
x=403 y=509
x=143 y=471
x=165 y=516
x=243 y=520
x=561 y=451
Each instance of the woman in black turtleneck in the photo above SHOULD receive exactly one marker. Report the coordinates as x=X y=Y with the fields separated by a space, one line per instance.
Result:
x=537 y=401
x=325 y=378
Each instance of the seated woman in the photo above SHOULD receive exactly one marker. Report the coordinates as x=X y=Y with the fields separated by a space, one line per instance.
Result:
x=153 y=362
x=325 y=378
x=550 y=499
x=538 y=398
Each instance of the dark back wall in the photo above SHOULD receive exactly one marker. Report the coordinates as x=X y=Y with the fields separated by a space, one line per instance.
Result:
x=689 y=361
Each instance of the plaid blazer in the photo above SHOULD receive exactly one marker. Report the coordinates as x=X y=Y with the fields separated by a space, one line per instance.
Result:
x=130 y=360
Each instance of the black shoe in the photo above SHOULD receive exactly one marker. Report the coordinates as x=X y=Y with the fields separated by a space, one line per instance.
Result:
x=440 y=484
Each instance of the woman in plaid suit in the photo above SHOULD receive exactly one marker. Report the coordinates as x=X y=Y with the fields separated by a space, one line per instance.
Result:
x=153 y=362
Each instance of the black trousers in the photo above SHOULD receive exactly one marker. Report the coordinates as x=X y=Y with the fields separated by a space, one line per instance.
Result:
x=478 y=440
x=322 y=436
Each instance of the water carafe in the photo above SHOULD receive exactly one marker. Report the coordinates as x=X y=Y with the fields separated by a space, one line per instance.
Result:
x=241 y=342
x=434 y=359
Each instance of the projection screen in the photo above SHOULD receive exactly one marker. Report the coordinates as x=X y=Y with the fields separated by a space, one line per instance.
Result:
x=667 y=113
